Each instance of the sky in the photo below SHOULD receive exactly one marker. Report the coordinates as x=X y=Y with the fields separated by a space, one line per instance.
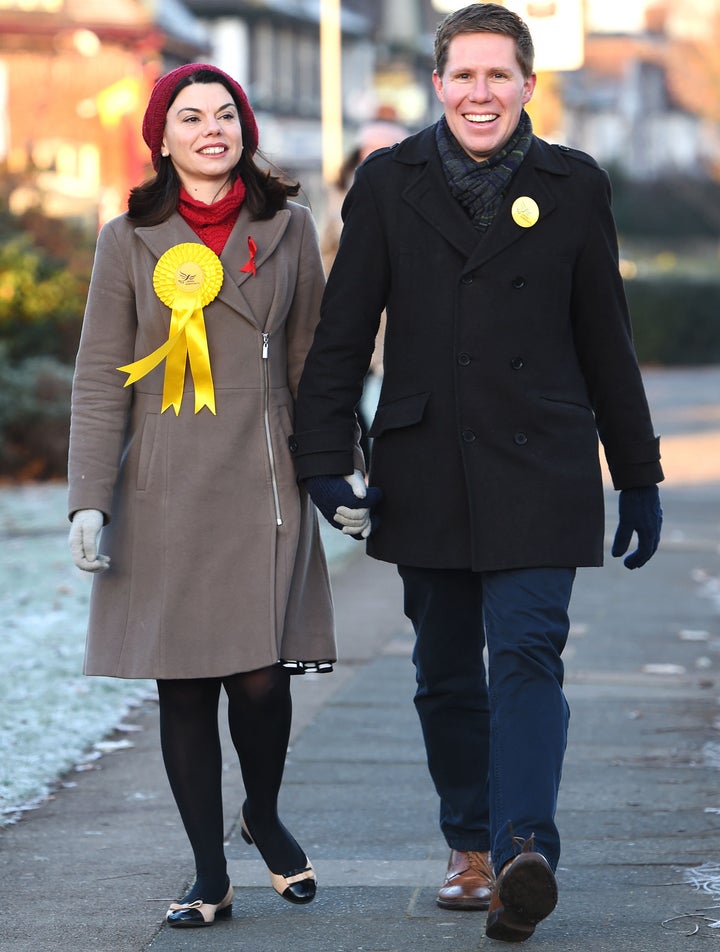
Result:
x=559 y=38
x=615 y=15
x=688 y=16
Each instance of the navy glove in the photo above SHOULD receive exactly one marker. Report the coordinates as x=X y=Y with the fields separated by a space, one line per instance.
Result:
x=640 y=512
x=346 y=502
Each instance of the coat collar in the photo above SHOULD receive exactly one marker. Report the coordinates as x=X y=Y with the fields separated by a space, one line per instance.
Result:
x=430 y=196
x=266 y=235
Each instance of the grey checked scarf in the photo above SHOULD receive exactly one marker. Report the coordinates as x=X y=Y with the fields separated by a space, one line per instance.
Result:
x=480 y=186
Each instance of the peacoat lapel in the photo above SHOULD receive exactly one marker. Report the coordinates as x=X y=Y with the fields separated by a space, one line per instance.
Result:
x=429 y=195
x=505 y=231
x=530 y=181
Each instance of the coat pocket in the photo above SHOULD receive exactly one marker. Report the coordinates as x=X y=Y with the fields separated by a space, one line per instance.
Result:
x=406 y=411
x=147 y=447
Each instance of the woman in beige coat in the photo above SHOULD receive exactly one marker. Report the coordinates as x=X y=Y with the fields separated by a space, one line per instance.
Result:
x=202 y=305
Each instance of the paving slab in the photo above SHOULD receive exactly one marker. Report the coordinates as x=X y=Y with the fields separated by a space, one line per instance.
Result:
x=93 y=869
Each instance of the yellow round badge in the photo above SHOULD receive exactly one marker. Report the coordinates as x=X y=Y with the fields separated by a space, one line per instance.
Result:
x=186 y=278
x=525 y=211
x=188 y=270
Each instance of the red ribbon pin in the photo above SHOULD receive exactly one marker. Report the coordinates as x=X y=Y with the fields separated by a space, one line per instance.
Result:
x=249 y=266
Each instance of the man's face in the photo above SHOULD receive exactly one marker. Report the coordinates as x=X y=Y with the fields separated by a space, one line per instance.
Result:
x=483 y=91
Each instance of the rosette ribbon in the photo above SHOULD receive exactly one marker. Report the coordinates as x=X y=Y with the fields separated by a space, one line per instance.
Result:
x=186 y=278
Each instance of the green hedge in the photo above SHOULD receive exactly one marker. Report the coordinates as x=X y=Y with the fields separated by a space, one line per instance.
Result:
x=676 y=320
x=673 y=208
x=34 y=417
x=41 y=302
x=44 y=273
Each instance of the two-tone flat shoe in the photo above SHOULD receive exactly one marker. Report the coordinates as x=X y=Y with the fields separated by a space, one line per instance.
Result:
x=198 y=913
x=298 y=885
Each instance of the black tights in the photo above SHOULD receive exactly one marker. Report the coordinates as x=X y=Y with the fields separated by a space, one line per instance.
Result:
x=259 y=714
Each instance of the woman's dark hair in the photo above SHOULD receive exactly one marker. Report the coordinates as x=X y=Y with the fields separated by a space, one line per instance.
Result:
x=154 y=201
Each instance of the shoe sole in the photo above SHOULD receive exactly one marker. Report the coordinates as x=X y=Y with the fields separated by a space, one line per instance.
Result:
x=528 y=893
x=224 y=913
x=464 y=905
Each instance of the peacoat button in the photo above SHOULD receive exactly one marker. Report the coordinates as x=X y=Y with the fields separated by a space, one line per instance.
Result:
x=518 y=282
x=468 y=436
x=520 y=439
x=466 y=279
x=517 y=363
x=464 y=360
x=292 y=445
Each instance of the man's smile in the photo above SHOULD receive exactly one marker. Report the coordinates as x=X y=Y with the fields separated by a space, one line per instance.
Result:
x=480 y=117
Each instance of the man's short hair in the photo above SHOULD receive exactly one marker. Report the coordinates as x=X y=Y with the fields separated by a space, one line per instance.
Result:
x=485 y=18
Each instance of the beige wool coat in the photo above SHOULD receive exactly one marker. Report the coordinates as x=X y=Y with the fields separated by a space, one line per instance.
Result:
x=216 y=561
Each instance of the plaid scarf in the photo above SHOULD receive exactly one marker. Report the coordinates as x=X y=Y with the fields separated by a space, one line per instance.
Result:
x=480 y=186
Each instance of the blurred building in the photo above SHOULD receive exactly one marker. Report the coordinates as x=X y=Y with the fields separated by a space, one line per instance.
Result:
x=74 y=81
x=622 y=108
x=75 y=76
x=273 y=48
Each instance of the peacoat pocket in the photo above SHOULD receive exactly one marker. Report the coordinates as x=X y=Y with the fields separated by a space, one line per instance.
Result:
x=398 y=414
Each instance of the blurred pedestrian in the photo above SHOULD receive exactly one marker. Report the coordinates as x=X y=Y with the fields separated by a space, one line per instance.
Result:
x=378 y=134
x=508 y=351
x=202 y=305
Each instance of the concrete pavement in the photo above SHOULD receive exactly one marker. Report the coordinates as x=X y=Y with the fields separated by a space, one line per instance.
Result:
x=94 y=868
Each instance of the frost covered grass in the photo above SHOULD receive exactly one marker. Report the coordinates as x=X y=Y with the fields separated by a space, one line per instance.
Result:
x=53 y=718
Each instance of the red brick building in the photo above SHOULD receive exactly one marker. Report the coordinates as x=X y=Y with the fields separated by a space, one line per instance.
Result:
x=74 y=80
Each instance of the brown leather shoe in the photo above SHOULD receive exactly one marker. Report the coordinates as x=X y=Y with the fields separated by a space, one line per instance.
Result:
x=468 y=883
x=525 y=893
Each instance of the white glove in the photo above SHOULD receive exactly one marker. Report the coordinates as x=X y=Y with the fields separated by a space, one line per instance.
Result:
x=354 y=521
x=84 y=531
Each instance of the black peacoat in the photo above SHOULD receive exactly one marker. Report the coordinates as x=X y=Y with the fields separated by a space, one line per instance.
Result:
x=507 y=354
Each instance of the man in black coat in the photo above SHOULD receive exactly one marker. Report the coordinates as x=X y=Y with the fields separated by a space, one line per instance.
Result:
x=508 y=352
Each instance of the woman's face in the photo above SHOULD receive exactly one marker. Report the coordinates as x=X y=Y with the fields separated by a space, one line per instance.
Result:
x=203 y=135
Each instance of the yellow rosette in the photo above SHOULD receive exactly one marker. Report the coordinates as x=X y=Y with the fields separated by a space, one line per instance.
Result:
x=186 y=278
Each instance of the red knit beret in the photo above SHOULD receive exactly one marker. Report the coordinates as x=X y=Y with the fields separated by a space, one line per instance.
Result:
x=153 y=126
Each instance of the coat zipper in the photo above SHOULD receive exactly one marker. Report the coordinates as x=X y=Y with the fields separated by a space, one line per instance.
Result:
x=268 y=437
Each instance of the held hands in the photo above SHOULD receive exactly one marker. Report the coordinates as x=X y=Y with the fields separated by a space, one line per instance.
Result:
x=640 y=512
x=84 y=531
x=338 y=499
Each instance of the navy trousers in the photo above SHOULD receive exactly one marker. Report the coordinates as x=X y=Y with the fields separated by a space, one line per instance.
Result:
x=495 y=739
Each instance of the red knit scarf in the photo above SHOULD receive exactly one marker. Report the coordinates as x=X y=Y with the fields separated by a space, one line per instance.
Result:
x=213 y=223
